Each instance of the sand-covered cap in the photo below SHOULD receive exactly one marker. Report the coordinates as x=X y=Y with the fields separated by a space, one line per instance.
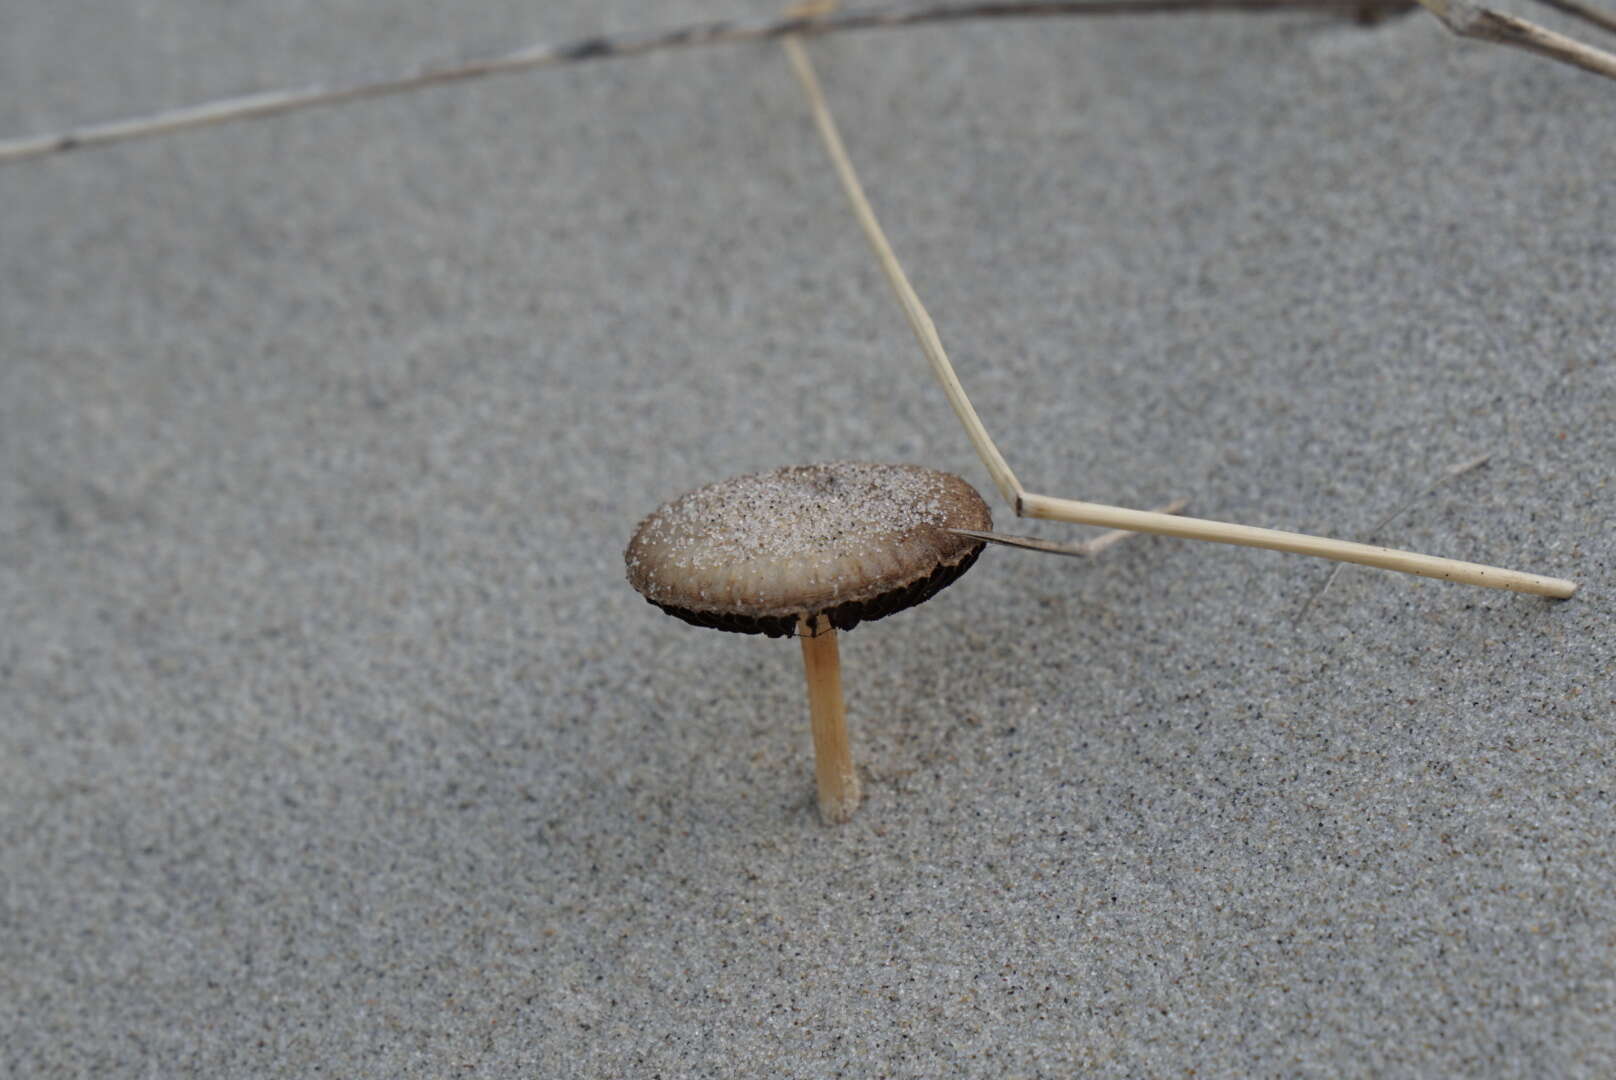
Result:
x=849 y=540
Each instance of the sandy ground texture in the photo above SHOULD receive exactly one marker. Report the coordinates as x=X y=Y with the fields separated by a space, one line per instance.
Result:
x=332 y=741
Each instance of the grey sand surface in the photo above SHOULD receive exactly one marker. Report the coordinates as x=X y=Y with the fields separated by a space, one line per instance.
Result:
x=333 y=742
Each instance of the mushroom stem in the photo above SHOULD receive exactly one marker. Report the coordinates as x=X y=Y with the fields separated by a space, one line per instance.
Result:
x=833 y=761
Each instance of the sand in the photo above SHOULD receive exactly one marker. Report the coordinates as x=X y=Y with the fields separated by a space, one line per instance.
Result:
x=333 y=741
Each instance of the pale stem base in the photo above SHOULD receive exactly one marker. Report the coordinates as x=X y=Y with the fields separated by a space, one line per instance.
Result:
x=833 y=761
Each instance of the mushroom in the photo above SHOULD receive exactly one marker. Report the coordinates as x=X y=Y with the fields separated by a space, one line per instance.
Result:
x=808 y=550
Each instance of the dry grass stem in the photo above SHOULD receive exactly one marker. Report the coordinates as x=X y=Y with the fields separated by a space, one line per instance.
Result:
x=1220 y=532
x=1473 y=21
x=1602 y=19
x=919 y=321
x=1470 y=21
x=1029 y=504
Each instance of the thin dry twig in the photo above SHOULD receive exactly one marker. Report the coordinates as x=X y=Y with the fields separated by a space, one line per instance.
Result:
x=1452 y=472
x=1083 y=549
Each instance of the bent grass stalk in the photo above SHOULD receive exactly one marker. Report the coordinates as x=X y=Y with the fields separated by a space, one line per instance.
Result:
x=1031 y=504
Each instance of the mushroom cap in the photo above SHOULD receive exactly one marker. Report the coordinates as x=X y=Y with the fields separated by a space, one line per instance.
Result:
x=849 y=540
